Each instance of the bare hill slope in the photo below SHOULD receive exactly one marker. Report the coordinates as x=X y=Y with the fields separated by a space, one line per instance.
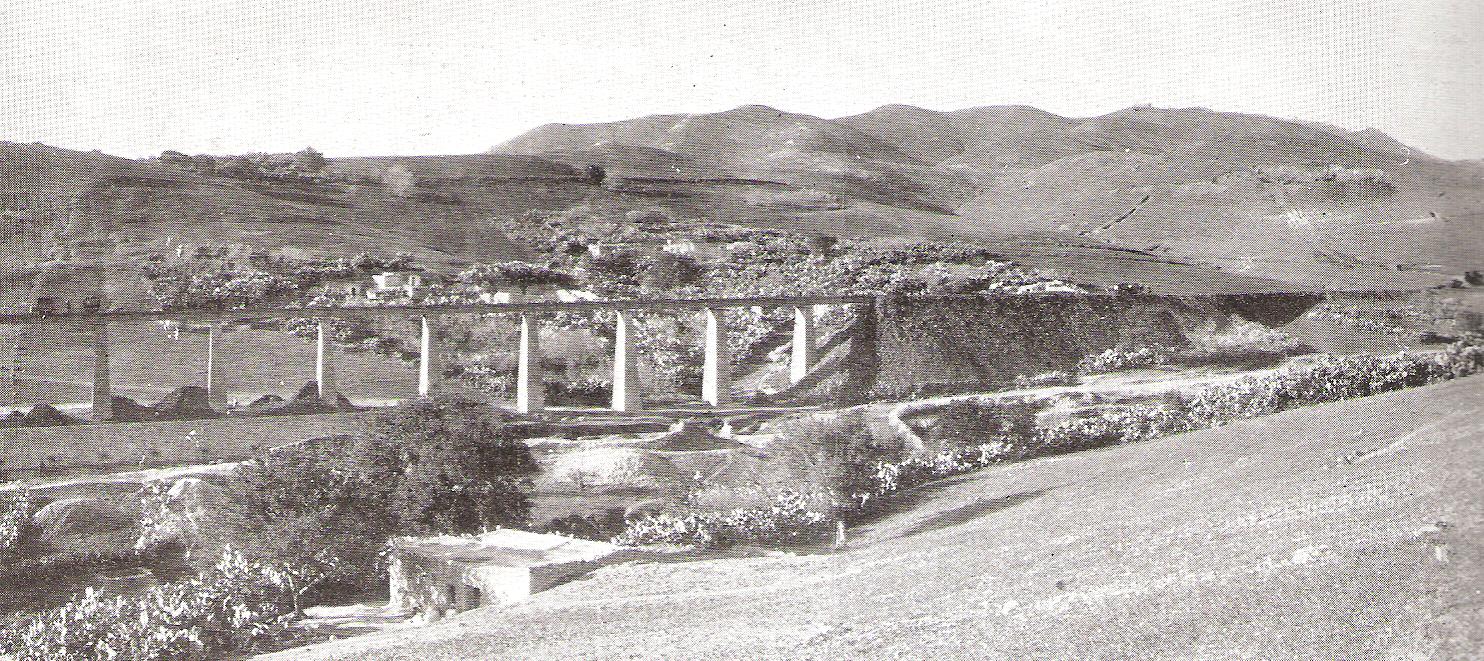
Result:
x=1143 y=194
x=1349 y=530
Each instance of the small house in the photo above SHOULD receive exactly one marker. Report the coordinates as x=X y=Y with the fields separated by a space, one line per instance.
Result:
x=394 y=284
x=680 y=247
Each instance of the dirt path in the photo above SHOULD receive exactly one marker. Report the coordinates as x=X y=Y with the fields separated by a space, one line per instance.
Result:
x=1349 y=530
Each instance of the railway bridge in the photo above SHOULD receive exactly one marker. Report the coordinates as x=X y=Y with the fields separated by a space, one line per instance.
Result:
x=530 y=380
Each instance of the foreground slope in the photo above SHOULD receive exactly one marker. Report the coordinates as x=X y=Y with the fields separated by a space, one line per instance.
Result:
x=1344 y=531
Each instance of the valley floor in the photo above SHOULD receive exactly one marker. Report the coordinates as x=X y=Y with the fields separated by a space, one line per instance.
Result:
x=1350 y=530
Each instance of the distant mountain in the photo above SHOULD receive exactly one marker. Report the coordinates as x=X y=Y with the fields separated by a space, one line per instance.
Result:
x=1174 y=196
x=1301 y=202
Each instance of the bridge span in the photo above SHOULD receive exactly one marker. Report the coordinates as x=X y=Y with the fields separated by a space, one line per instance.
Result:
x=530 y=381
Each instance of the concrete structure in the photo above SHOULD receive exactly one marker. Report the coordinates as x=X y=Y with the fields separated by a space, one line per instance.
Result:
x=530 y=386
x=394 y=284
x=681 y=247
x=626 y=386
x=803 y=344
x=216 y=387
x=102 y=390
x=428 y=369
x=324 y=369
x=435 y=576
x=716 y=382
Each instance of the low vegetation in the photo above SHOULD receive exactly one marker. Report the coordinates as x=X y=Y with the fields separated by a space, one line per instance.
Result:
x=296 y=526
x=972 y=434
x=229 y=608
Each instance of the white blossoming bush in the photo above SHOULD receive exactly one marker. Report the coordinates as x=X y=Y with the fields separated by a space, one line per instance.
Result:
x=789 y=518
x=15 y=522
x=1114 y=360
x=223 y=610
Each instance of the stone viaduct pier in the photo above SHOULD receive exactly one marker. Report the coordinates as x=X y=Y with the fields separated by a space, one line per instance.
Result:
x=530 y=383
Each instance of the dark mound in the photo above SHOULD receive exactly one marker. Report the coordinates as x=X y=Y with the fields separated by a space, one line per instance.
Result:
x=308 y=400
x=185 y=403
x=265 y=404
x=45 y=415
x=128 y=410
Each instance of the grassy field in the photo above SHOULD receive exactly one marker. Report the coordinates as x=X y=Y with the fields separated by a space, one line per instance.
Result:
x=148 y=361
x=94 y=449
x=1344 y=531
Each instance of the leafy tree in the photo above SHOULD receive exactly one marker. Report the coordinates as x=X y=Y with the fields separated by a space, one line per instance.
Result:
x=454 y=465
x=668 y=270
x=822 y=245
x=399 y=180
x=175 y=159
x=595 y=174
x=309 y=161
x=443 y=466
x=622 y=266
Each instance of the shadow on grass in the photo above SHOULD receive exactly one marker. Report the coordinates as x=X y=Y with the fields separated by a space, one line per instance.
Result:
x=971 y=511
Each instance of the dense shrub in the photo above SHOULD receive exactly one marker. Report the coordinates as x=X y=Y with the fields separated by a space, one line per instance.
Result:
x=790 y=518
x=440 y=466
x=225 y=609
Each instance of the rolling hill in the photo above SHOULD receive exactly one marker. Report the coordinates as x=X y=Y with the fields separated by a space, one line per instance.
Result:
x=1182 y=199
x=1304 y=203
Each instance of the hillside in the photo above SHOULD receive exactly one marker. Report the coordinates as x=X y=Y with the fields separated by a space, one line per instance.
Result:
x=1183 y=199
x=1280 y=537
x=1304 y=203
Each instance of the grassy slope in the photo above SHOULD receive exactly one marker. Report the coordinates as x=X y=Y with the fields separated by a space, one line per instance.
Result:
x=1249 y=541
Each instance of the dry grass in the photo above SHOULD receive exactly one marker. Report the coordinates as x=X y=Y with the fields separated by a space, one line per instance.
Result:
x=1254 y=540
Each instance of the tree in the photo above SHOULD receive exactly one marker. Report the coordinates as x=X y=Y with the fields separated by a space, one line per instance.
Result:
x=176 y=159
x=622 y=266
x=822 y=244
x=309 y=161
x=516 y=274
x=398 y=180
x=444 y=466
x=455 y=466
x=668 y=270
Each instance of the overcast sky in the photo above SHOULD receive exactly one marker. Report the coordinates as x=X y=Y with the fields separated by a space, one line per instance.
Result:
x=370 y=77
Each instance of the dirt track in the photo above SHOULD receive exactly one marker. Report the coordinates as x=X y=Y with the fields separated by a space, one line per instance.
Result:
x=1345 y=531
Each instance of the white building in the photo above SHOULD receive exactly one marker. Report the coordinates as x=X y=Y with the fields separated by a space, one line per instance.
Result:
x=394 y=284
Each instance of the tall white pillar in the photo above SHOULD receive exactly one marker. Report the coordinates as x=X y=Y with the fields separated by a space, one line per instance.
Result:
x=626 y=386
x=530 y=384
x=716 y=382
x=216 y=387
x=803 y=344
x=102 y=390
x=428 y=370
x=324 y=369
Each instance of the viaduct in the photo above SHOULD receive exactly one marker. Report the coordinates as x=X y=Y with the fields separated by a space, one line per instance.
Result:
x=530 y=388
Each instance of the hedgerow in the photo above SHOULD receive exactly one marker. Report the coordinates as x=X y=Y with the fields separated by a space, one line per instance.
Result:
x=865 y=484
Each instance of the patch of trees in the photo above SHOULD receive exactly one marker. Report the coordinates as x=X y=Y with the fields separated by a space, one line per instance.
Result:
x=306 y=165
x=522 y=275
